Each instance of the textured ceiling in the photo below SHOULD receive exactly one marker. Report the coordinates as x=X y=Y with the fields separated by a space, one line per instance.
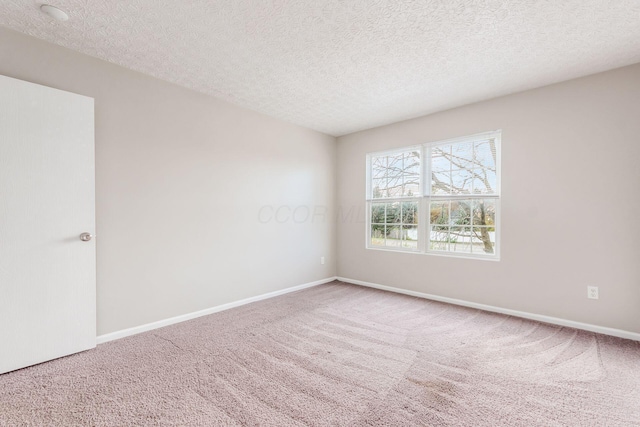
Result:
x=339 y=66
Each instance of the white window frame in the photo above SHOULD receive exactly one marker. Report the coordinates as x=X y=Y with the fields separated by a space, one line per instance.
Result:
x=424 y=197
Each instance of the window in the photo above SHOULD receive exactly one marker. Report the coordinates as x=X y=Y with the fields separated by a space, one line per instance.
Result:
x=441 y=197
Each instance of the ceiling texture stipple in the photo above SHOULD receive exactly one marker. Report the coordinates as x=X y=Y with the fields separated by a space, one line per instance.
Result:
x=339 y=66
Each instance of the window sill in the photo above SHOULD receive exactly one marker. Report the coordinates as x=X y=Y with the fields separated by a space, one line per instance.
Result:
x=439 y=254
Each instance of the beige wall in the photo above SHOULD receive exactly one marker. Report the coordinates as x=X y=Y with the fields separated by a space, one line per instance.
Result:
x=570 y=204
x=180 y=181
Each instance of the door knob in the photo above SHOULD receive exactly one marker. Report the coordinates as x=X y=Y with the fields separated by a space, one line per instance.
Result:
x=85 y=237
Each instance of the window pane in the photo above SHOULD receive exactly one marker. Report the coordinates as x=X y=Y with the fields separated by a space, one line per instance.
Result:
x=456 y=181
x=439 y=213
x=460 y=240
x=485 y=154
x=396 y=175
x=484 y=181
x=394 y=214
x=409 y=212
x=462 y=155
x=441 y=183
x=394 y=224
x=394 y=235
x=485 y=167
x=378 y=213
x=411 y=186
x=378 y=167
x=452 y=226
x=395 y=186
x=394 y=164
x=439 y=238
x=412 y=163
x=440 y=156
x=483 y=240
x=460 y=212
x=411 y=174
x=377 y=235
x=379 y=188
x=484 y=212
x=410 y=236
x=462 y=181
x=464 y=168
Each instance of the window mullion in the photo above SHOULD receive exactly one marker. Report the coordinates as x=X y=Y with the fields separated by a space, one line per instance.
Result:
x=369 y=222
x=423 y=225
x=395 y=199
x=425 y=182
x=465 y=196
x=426 y=212
x=369 y=188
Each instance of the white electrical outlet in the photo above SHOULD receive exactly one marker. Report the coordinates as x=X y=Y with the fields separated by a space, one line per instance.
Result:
x=321 y=260
x=592 y=292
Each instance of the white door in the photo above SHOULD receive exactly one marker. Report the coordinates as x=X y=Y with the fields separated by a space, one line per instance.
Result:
x=47 y=198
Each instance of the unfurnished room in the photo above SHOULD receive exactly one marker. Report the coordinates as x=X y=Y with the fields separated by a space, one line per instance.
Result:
x=320 y=213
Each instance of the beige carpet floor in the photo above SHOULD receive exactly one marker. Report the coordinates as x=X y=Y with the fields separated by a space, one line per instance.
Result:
x=338 y=355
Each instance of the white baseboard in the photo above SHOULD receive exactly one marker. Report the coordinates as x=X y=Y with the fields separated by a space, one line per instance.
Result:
x=531 y=316
x=173 y=320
